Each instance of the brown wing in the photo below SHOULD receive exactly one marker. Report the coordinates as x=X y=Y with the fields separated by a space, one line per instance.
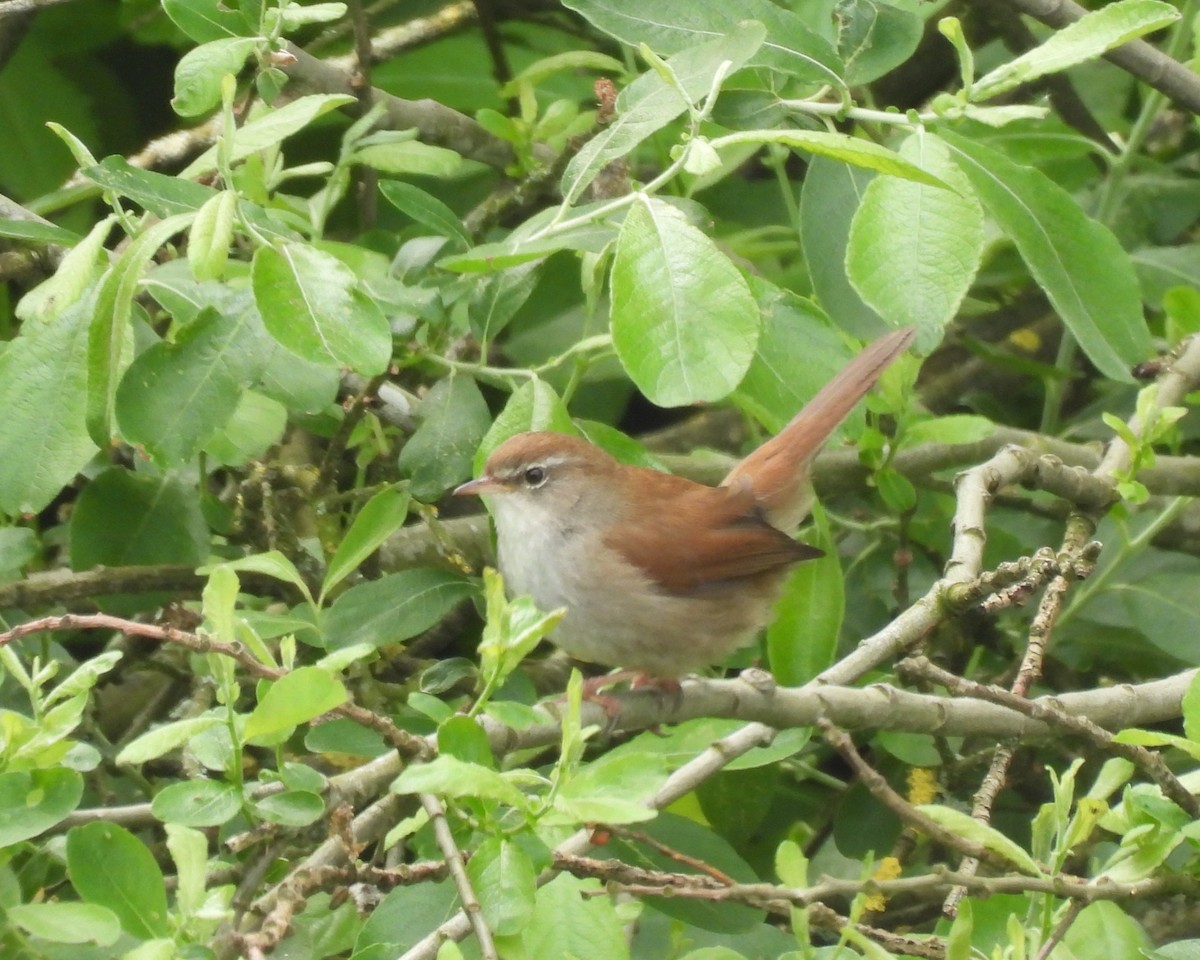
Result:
x=702 y=536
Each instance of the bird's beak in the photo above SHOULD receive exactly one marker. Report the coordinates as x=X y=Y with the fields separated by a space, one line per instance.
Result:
x=479 y=486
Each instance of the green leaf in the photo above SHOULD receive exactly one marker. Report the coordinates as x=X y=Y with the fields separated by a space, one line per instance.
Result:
x=37 y=232
x=454 y=419
x=673 y=25
x=44 y=441
x=427 y=210
x=33 y=801
x=160 y=194
x=966 y=826
x=506 y=882
x=272 y=127
x=165 y=738
x=914 y=249
x=1103 y=930
x=110 y=336
x=570 y=919
x=950 y=430
x=272 y=564
x=204 y=20
x=829 y=197
x=257 y=424
x=651 y=101
x=110 y=867
x=517 y=251
x=293 y=699
x=873 y=37
x=1190 y=705
x=292 y=808
x=175 y=396
x=684 y=323
x=78 y=271
x=379 y=518
x=211 y=235
x=394 y=608
x=497 y=299
x=453 y=778
x=797 y=352
x=1076 y=260
x=1092 y=35
x=615 y=788
x=802 y=641
x=125 y=518
x=197 y=803
x=76 y=923
x=409 y=158
x=199 y=73
x=308 y=302
x=189 y=850
x=839 y=146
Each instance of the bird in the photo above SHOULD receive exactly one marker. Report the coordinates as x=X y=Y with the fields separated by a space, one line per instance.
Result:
x=660 y=575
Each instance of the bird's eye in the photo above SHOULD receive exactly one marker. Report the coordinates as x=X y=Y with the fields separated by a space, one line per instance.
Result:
x=534 y=476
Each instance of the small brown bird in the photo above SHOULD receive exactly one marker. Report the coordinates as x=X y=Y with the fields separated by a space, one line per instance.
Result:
x=659 y=574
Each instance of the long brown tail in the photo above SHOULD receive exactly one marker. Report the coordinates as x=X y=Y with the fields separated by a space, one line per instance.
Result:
x=778 y=470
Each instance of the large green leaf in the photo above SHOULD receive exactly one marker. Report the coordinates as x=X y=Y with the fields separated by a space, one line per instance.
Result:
x=652 y=101
x=44 y=440
x=914 y=249
x=379 y=518
x=684 y=322
x=309 y=303
x=110 y=867
x=1076 y=260
x=572 y=919
x=160 y=194
x=134 y=518
x=669 y=26
x=829 y=198
x=455 y=418
x=175 y=396
x=532 y=406
x=502 y=873
x=78 y=923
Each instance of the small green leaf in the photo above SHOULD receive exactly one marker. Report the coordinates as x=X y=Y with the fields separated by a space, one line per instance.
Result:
x=453 y=778
x=268 y=128
x=33 y=801
x=394 y=608
x=204 y=20
x=294 y=698
x=988 y=836
x=379 y=518
x=873 y=37
x=292 y=808
x=75 y=923
x=409 y=158
x=110 y=867
x=950 y=430
x=189 y=850
x=308 y=302
x=199 y=73
x=165 y=738
x=1092 y=35
x=197 y=803
x=533 y=406
x=211 y=235
x=838 y=146
x=426 y=209
x=160 y=194
x=651 y=102
x=684 y=322
x=272 y=564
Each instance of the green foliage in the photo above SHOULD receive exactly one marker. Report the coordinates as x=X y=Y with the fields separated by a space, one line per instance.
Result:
x=241 y=378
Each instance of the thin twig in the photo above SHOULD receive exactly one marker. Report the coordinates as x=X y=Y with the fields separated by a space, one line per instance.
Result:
x=458 y=870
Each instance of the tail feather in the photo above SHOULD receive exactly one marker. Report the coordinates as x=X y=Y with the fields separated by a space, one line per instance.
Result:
x=778 y=470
